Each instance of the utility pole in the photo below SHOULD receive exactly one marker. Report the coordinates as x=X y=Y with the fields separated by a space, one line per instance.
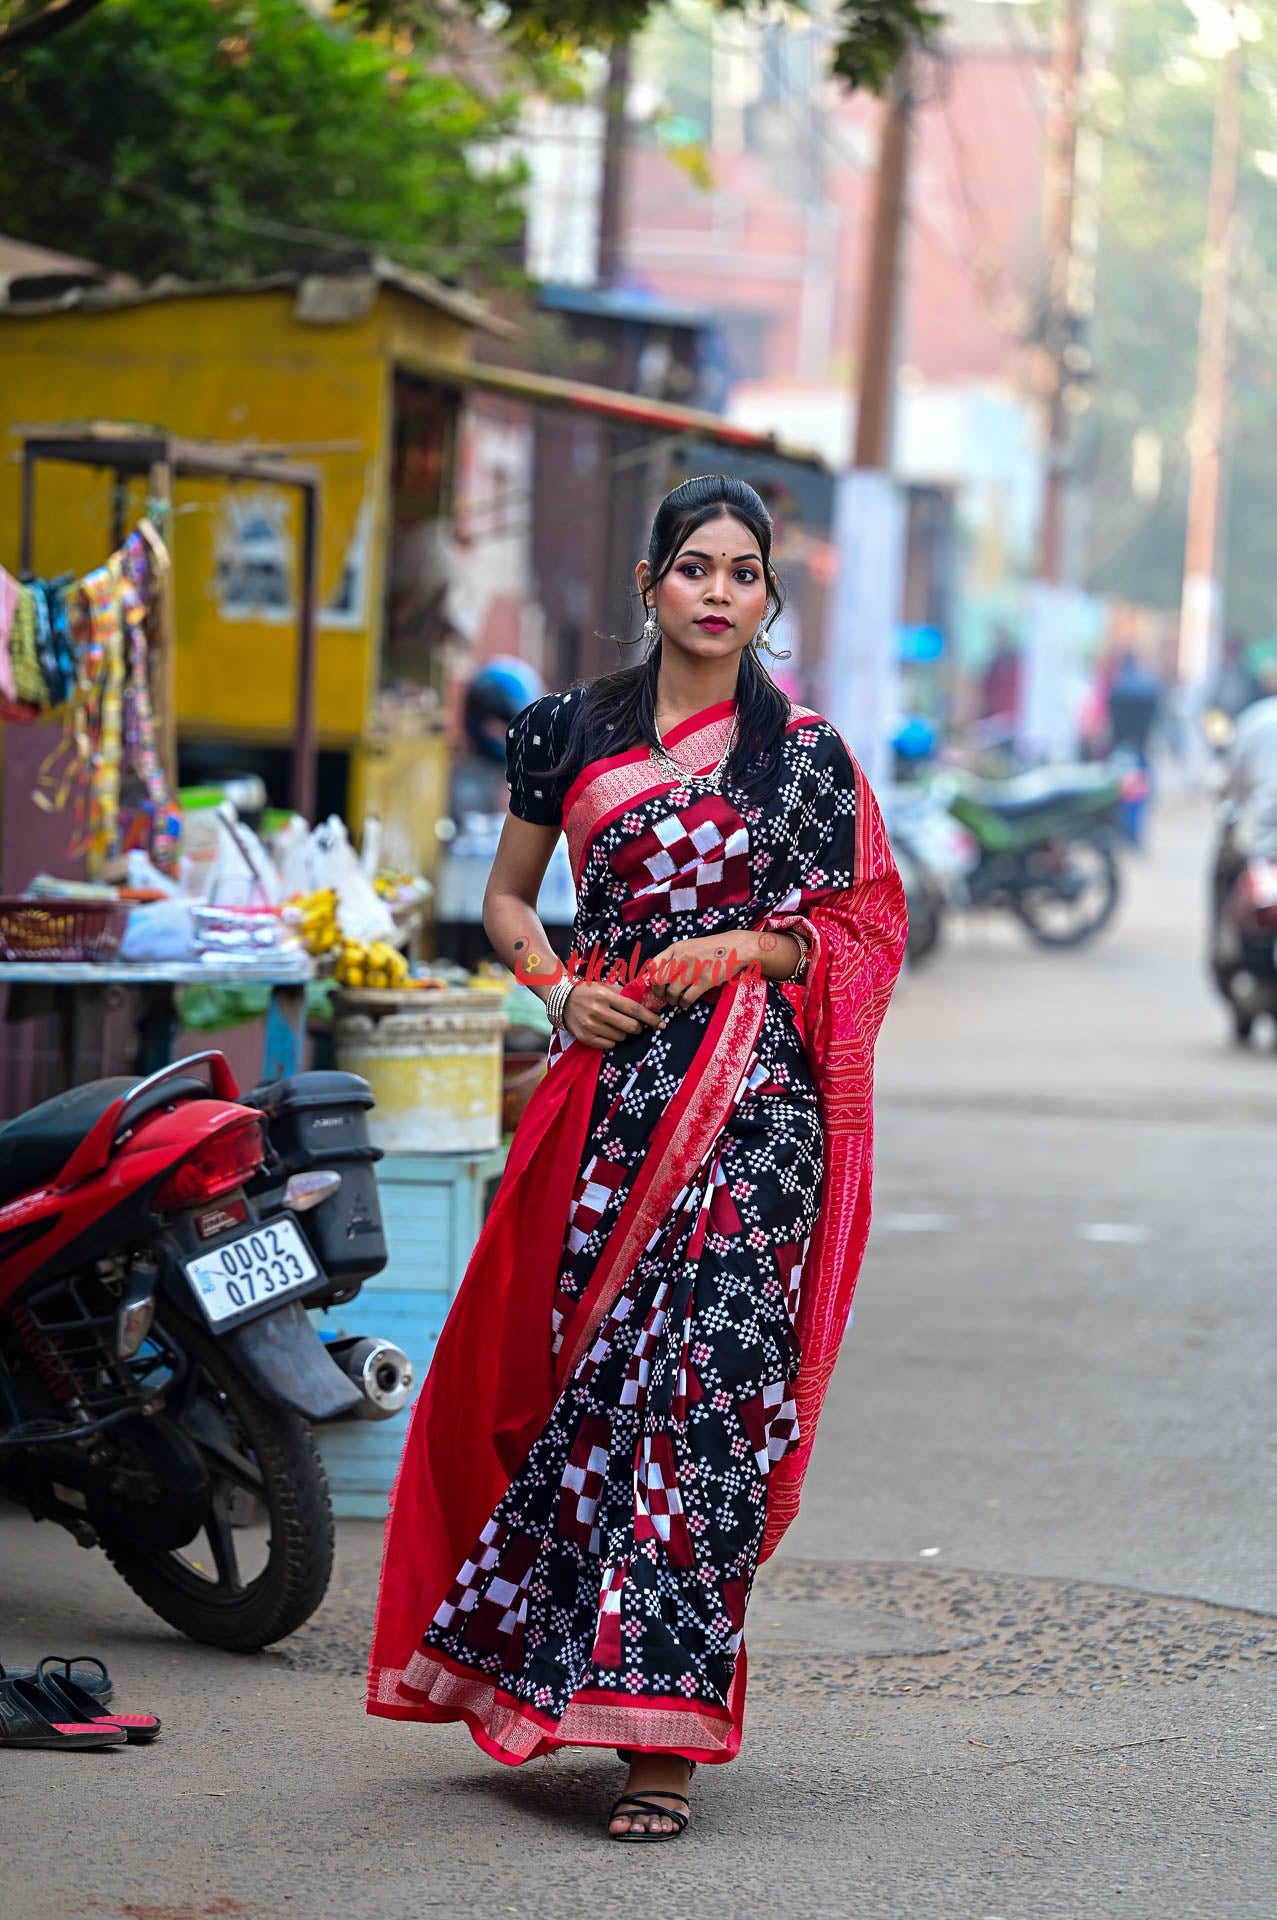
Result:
x=1202 y=598
x=860 y=673
x=880 y=309
x=612 y=189
x=1060 y=178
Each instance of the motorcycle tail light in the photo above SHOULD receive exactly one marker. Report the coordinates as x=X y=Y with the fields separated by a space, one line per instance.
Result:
x=218 y=1165
x=966 y=847
x=1254 y=901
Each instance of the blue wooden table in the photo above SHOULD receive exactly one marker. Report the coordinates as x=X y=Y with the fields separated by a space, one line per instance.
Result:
x=433 y=1205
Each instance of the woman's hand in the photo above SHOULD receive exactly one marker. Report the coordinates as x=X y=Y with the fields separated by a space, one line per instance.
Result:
x=683 y=971
x=600 y=1016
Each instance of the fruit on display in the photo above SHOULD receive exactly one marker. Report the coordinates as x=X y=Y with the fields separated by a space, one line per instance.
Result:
x=375 y=965
x=392 y=885
x=316 y=914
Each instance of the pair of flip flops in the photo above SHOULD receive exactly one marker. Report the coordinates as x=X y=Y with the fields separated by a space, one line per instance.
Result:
x=51 y=1707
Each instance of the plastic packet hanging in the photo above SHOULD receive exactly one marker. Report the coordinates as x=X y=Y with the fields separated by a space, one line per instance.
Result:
x=242 y=873
x=361 y=913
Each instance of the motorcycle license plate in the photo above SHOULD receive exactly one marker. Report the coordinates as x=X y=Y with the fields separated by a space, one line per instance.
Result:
x=257 y=1267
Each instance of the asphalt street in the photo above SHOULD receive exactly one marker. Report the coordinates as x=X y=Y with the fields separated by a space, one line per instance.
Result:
x=1018 y=1655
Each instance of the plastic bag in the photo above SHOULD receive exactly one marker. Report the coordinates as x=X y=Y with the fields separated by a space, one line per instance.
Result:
x=242 y=873
x=159 y=930
x=294 y=857
x=145 y=875
x=217 y=1004
x=361 y=912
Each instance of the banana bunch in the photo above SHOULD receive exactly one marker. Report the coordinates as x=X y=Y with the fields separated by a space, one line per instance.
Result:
x=317 y=913
x=375 y=965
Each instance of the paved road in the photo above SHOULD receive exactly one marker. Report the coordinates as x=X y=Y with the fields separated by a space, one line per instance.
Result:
x=1019 y=1657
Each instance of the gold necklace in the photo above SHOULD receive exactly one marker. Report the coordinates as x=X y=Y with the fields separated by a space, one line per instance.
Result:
x=662 y=755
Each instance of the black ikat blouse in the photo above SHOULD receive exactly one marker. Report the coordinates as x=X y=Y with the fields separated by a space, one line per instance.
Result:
x=534 y=740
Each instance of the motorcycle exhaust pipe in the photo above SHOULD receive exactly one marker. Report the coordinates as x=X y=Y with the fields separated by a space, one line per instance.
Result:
x=382 y=1372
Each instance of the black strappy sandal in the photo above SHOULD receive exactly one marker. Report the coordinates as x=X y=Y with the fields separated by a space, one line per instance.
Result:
x=642 y=1803
x=645 y=1803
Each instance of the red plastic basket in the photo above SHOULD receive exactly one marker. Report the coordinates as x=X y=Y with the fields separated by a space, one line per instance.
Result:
x=61 y=929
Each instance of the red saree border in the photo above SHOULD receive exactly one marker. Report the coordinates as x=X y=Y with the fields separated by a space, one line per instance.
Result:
x=704 y=717
x=510 y=1730
x=607 y=787
x=681 y=1138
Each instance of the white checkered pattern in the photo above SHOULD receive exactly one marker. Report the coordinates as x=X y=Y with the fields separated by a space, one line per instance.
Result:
x=771 y=1421
x=468 y=1585
x=658 y=1504
x=635 y=1384
x=598 y=1181
x=693 y=858
x=607 y=1639
x=582 y=1485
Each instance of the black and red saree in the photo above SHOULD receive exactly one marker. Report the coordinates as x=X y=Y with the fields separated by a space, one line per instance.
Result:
x=618 y=1418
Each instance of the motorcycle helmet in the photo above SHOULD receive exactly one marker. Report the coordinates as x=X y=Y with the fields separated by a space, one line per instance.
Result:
x=500 y=690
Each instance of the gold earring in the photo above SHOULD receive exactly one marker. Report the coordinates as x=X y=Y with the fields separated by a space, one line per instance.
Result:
x=761 y=644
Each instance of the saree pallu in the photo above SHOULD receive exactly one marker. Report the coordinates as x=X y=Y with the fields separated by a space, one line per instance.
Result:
x=615 y=1428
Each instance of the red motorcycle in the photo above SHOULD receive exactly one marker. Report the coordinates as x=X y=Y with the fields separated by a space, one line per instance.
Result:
x=160 y=1242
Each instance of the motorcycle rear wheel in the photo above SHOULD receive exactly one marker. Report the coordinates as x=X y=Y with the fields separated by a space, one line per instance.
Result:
x=925 y=923
x=1048 y=913
x=250 y=1447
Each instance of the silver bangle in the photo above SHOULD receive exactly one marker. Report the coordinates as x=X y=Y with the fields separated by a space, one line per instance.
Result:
x=803 y=949
x=557 y=998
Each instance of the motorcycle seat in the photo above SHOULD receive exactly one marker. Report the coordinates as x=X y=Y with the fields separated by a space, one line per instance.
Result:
x=38 y=1144
x=1034 y=792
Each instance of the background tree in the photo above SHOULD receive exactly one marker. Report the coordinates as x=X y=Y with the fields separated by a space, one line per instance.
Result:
x=215 y=139
x=228 y=138
x=1156 y=113
x=870 y=35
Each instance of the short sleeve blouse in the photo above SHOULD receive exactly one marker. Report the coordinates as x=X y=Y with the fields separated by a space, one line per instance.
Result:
x=534 y=740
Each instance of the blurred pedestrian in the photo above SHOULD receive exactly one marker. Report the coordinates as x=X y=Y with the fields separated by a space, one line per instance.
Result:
x=1134 y=699
x=1002 y=682
x=1236 y=685
x=617 y=1421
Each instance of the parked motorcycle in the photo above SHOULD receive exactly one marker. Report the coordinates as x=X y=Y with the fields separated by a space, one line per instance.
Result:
x=160 y=1242
x=1046 y=844
x=934 y=855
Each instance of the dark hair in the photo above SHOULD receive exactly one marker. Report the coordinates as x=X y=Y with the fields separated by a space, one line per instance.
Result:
x=618 y=709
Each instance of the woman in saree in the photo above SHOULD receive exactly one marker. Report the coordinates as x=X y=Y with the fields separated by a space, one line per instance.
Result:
x=615 y=1427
